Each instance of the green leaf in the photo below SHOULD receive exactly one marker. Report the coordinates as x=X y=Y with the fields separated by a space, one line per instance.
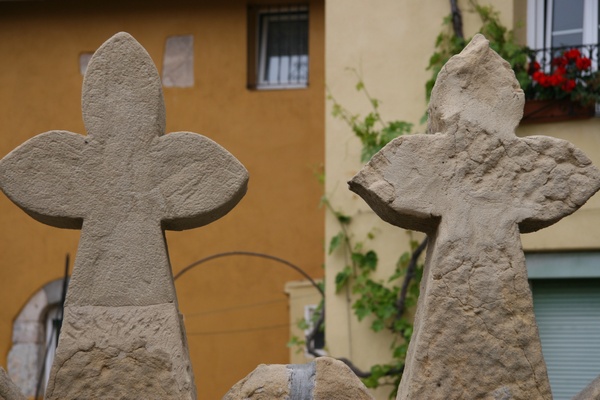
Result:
x=400 y=325
x=378 y=325
x=303 y=324
x=400 y=351
x=403 y=260
x=370 y=260
x=371 y=381
x=357 y=258
x=342 y=278
x=336 y=241
x=342 y=218
x=362 y=312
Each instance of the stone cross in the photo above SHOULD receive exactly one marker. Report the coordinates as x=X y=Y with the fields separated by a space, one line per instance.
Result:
x=123 y=184
x=473 y=186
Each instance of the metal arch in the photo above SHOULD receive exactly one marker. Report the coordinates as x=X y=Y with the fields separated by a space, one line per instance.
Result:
x=250 y=254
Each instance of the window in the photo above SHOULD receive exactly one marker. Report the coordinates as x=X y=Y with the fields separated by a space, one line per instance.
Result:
x=562 y=23
x=319 y=339
x=566 y=302
x=278 y=47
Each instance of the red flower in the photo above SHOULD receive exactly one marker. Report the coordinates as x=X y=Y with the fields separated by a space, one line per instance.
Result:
x=538 y=75
x=557 y=79
x=572 y=54
x=544 y=80
x=559 y=62
x=569 y=85
x=567 y=71
x=583 y=63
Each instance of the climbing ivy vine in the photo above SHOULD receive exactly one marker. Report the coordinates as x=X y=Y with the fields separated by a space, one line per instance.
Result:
x=383 y=301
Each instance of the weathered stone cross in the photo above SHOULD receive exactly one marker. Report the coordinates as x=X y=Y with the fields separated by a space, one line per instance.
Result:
x=472 y=188
x=123 y=184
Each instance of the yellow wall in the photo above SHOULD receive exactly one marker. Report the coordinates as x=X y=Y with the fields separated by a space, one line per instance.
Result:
x=390 y=45
x=278 y=135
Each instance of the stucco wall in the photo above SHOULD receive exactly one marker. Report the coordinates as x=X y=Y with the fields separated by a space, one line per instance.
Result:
x=235 y=309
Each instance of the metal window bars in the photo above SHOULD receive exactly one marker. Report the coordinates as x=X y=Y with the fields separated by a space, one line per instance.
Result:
x=278 y=47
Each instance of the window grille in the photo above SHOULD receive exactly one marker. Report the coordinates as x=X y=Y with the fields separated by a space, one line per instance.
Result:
x=278 y=47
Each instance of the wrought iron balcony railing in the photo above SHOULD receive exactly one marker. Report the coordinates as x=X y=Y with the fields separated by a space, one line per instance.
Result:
x=545 y=56
x=564 y=81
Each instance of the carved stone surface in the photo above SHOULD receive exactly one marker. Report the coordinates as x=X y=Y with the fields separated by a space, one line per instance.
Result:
x=266 y=382
x=473 y=186
x=8 y=390
x=323 y=379
x=95 y=361
x=336 y=381
x=122 y=184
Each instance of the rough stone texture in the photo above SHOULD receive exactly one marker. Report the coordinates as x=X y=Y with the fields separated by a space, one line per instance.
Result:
x=266 y=382
x=8 y=390
x=472 y=186
x=140 y=341
x=122 y=184
x=591 y=391
x=178 y=61
x=335 y=381
x=323 y=379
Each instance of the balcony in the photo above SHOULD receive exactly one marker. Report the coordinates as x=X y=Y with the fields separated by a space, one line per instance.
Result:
x=564 y=84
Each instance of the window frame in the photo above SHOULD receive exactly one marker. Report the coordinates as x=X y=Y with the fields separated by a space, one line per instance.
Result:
x=258 y=27
x=539 y=23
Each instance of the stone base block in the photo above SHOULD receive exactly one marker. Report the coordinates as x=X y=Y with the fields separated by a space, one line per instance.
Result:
x=120 y=352
x=323 y=379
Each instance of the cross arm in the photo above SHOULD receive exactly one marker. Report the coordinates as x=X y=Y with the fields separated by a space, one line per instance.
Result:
x=403 y=181
x=560 y=178
x=41 y=177
x=200 y=181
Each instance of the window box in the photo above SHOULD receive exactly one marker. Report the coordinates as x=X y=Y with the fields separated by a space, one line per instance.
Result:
x=542 y=111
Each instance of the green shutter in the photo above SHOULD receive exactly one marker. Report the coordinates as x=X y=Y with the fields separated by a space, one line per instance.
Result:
x=568 y=316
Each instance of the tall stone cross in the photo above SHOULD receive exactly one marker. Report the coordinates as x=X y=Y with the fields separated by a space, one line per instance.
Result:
x=123 y=184
x=473 y=186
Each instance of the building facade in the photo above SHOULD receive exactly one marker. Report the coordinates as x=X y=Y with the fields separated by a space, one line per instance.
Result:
x=390 y=46
x=228 y=73
x=254 y=76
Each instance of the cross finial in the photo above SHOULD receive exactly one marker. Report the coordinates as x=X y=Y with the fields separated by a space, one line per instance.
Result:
x=122 y=184
x=472 y=186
